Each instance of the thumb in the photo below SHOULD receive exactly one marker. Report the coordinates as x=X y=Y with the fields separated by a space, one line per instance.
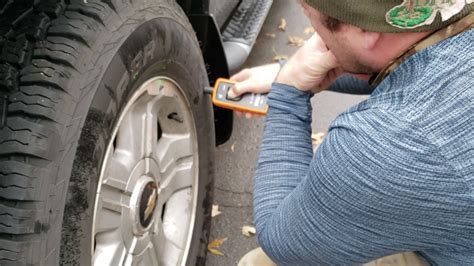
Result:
x=239 y=89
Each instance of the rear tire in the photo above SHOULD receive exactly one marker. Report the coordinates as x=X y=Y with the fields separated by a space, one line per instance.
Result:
x=67 y=69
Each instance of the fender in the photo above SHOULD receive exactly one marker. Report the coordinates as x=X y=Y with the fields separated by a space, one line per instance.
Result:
x=210 y=40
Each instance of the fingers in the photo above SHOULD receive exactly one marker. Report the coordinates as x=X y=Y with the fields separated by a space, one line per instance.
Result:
x=331 y=76
x=247 y=115
x=340 y=71
x=240 y=88
x=319 y=64
x=241 y=76
x=329 y=60
x=317 y=43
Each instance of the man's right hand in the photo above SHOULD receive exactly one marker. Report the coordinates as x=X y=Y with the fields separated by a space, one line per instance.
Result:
x=254 y=80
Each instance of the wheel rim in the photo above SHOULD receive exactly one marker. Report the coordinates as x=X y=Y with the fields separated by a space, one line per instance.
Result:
x=147 y=195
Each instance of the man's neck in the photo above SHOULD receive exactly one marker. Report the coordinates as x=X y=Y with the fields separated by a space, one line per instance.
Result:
x=423 y=42
x=393 y=45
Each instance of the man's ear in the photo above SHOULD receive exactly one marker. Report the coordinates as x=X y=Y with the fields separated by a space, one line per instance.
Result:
x=370 y=39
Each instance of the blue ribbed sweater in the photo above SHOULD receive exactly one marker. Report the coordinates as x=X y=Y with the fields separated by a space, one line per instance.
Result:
x=395 y=173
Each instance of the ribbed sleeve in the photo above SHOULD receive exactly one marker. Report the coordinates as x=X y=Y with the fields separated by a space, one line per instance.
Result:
x=351 y=85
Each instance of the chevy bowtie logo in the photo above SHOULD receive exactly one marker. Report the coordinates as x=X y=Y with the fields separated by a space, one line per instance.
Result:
x=151 y=204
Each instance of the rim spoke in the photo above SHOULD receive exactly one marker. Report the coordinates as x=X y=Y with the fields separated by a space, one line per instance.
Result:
x=129 y=138
x=168 y=253
x=180 y=178
x=151 y=256
x=117 y=168
x=107 y=221
x=147 y=257
x=171 y=150
x=150 y=139
x=140 y=243
x=114 y=195
x=113 y=199
x=112 y=253
x=107 y=164
x=119 y=172
x=176 y=219
x=138 y=134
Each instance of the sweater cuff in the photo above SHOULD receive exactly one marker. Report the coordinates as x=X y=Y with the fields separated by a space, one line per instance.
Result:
x=290 y=100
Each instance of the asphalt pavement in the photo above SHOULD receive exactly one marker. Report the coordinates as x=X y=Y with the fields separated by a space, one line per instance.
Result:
x=236 y=160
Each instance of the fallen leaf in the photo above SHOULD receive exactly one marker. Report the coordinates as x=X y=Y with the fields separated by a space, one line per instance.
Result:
x=317 y=138
x=215 y=210
x=249 y=231
x=309 y=30
x=214 y=245
x=232 y=147
x=279 y=57
x=270 y=35
x=282 y=25
x=295 y=41
x=215 y=252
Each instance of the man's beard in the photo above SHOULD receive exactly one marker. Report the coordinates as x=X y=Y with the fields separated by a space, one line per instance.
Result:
x=356 y=67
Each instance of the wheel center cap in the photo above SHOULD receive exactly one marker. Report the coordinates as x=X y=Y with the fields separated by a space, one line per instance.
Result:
x=148 y=202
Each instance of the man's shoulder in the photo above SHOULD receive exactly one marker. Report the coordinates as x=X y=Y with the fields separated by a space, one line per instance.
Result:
x=436 y=124
x=434 y=68
x=417 y=111
x=434 y=86
x=427 y=102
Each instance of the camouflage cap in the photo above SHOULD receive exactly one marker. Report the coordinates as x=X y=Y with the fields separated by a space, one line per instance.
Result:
x=395 y=15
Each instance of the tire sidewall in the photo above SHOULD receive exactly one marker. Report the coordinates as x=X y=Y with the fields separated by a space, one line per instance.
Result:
x=160 y=45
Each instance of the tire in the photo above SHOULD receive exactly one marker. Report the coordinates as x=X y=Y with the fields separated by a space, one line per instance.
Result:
x=68 y=71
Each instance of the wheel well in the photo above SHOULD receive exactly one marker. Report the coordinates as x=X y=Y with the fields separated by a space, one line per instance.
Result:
x=194 y=6
x=213 y=52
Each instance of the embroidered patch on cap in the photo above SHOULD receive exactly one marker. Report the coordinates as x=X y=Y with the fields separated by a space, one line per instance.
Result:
x=416 y=13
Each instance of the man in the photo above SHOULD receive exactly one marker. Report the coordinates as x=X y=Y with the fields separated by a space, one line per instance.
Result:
x=396 y=172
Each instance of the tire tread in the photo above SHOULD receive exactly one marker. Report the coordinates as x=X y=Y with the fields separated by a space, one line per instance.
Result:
x=40 y=45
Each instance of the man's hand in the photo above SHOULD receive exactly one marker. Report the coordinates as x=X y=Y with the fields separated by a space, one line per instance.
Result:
x=312 y=68
x=254 y=80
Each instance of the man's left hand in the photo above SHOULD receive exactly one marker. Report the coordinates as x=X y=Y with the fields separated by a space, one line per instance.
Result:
x=312 y=68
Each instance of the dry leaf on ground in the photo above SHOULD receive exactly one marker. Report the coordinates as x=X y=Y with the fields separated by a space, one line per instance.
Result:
x=317 y=138
x=282 y=25
x=270 y=35
x=295 y=41
x=215 y=210
x=232 y=147
x=214 y=245
x=309 y=30
x=279 y=57
x=248 y=231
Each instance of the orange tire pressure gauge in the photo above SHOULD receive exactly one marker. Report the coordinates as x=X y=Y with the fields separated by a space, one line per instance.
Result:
x=251 y=102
